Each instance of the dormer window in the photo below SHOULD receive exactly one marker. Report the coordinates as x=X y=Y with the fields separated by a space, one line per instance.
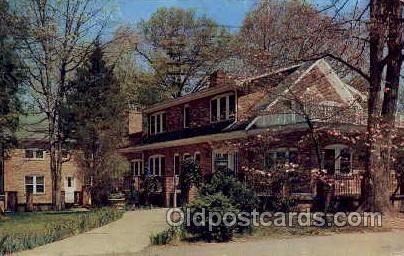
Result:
x=223 y=108
x=157 y=123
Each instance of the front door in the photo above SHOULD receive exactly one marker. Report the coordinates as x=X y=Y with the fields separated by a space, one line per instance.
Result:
x=69 y=190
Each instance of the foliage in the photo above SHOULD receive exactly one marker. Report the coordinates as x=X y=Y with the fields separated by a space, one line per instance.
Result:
x=224 y=182
x=151 y=184
x=94 y=117
x=279 y=33
x=55 y=226
x=166 y=236
x=11 y=77
x=182 y=49
x=211 y=203
x=190 y=176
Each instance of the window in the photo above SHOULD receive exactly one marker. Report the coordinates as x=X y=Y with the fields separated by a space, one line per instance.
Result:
x=34 y=184
x=157 y=165
x=69 y=182
x=337 y=159
x=34 y=154
x=223 y=108
x=157 y=123
x=187 y=117
x=137 y=167
x=177 y=164
x=225 y=161
x=280 y=157
x=187 y=156
x=197 y=158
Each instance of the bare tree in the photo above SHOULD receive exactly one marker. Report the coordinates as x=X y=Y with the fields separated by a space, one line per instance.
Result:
x=59 y=41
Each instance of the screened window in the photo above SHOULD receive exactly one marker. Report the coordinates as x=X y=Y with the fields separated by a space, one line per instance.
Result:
x=223 y=108
x=34 y=154
x=157 y=123
x=34 y=184
x=280 y=157
x=137 y=167
x=337 y=159
x=157 y=165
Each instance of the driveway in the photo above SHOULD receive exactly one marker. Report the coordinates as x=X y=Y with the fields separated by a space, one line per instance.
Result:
x=127 y=235
x=366 y=244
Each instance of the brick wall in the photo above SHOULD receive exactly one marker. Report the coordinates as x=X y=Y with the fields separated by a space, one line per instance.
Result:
x=17 y=167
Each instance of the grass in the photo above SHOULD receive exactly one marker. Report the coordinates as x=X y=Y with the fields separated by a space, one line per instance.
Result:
x=28 y=230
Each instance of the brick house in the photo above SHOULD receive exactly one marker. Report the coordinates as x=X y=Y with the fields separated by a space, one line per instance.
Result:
x=283 y=104
x=26 y=168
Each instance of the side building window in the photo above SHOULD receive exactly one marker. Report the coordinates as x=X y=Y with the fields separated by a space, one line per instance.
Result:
x=157 y=165
x=177 y=164
x=157 y=123
x=223 y=108
x=34 y=154
x=137 y=167
x=34 y=184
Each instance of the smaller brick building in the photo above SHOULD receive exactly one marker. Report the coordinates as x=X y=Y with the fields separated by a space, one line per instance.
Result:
x=26 y=169
x=284 y=105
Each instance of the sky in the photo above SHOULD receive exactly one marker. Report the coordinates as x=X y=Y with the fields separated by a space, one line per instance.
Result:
x=225 y=12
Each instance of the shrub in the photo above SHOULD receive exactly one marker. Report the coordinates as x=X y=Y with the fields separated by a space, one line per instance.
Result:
x=217 y=203
x=190 y=176
x=166 y=236
x=280 y=204
x=13 y=242
x=224 y=182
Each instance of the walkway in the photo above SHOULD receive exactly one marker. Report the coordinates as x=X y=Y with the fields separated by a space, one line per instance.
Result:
x=127 y=235
x=363 y=244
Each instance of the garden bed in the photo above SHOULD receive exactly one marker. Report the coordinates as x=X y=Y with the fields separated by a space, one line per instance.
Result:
x=28 y=230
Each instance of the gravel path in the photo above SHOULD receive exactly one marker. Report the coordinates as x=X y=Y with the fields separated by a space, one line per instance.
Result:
x=366 y=244
x=127 y=235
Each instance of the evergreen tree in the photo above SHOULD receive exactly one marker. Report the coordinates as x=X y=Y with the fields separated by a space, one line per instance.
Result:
x=95 y=111
x=10 y=81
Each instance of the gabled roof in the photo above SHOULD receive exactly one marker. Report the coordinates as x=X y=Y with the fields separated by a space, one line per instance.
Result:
x=32 y=127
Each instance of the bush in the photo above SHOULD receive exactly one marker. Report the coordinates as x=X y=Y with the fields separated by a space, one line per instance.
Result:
x=280 y=204
x=209 y=204
x=13 y=242
x=224 y=182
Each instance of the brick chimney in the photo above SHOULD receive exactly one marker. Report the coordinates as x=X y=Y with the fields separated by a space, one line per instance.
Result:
x=217 y=78
x=135 y=120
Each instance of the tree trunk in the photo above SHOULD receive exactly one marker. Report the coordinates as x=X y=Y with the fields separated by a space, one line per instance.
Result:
x=56 y=173
x=373 y=170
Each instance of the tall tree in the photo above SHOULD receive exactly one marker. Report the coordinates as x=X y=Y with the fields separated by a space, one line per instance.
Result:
x=279 y=33
x=11 y=77
x=182 y=49
x=59 y=42
x=96 y=112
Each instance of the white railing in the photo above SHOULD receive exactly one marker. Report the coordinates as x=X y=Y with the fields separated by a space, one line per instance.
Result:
x=323 y=114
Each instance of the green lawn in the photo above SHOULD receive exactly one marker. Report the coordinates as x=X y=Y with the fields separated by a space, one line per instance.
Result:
x=28 y=230
x=22 y=223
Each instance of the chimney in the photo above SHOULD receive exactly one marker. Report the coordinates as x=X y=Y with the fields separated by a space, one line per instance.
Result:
x=135 y=122
x=217 y=78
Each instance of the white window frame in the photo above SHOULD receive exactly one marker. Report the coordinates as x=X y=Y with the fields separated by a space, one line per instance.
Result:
x=217 y=98
x=200 y=156
x=232 y=160
x=175 y=164
x=159 y=171
x=156 y=116
x=34 y=184
x=337 y=165
x=185 y=156
x=139 y=164
x=34 y=152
